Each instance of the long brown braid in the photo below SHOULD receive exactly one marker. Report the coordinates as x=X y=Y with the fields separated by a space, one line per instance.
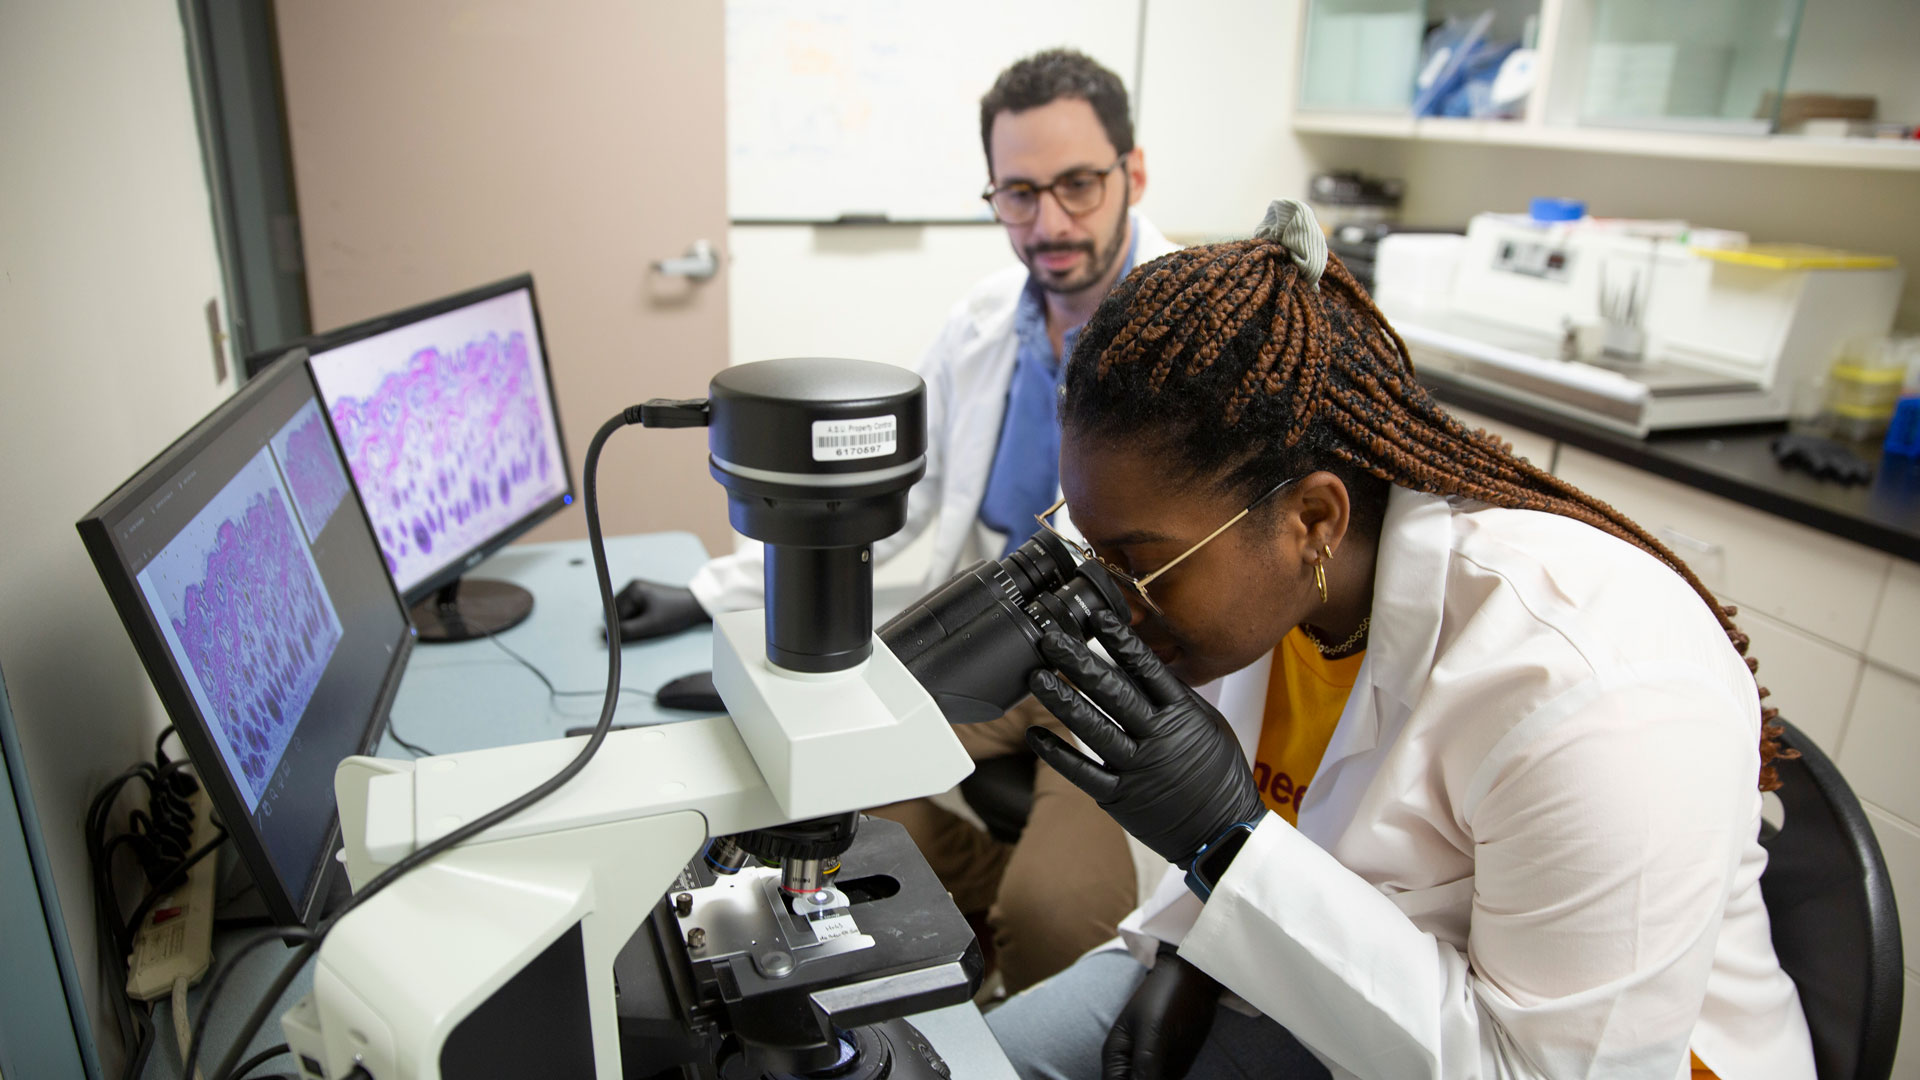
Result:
x=1211 y=344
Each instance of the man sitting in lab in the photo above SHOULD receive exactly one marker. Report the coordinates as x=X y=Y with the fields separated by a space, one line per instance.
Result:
x=1063 y=175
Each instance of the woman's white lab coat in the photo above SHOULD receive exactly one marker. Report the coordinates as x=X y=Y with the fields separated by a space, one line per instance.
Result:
x=967 y=372
x=1531 y=848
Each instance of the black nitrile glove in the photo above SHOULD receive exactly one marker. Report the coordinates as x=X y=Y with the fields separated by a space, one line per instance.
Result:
x=1824 y=458
x=1165 y=1023
x=1174 y=774
x=650 y=610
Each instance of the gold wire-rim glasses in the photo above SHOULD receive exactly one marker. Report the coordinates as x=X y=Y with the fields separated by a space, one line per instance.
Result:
x=1139 y=584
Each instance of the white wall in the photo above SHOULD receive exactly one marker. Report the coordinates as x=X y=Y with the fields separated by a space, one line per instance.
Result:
x=106 y=260
x=869 y=292
x=1216 y=74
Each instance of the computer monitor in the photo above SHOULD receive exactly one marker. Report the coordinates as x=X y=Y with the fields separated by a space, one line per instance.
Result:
x=247 y=575
x=445 y=413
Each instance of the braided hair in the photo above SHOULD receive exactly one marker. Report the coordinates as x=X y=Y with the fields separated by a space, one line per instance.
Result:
x=1243 y=369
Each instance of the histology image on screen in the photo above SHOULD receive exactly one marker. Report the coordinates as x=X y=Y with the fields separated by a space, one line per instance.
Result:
x=448 y=428
x=247 y=618
x=307 y=459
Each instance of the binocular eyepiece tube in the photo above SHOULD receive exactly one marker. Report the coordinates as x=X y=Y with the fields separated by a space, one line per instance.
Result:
x=974 y=641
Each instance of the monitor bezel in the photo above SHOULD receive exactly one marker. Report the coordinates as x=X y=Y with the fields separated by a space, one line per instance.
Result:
x=454 y=568
x=170 y=683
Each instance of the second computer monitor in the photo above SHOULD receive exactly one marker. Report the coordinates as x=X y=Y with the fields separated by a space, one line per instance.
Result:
x=445 y=413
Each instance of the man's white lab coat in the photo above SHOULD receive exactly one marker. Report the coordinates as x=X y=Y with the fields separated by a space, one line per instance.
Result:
x=1531 y=848
x=967 y=372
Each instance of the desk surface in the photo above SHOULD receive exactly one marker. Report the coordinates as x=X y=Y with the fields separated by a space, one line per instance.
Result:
x=1735 y=463
x=473 y=695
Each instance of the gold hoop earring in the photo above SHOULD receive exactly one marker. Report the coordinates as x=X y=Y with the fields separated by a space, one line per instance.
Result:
x=1320 y=580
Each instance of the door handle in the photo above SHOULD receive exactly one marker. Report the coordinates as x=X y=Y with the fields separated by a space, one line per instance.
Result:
x=700 y=263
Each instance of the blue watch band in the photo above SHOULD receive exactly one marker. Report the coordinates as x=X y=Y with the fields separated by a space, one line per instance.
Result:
x=1213 y=858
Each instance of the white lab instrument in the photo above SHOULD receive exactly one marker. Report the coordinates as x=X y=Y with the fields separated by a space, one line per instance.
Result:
x=1693 y=336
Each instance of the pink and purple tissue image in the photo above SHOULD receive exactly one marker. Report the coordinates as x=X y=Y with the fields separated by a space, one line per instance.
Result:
x=449 y=448
x=312 y=468
x=249 y=621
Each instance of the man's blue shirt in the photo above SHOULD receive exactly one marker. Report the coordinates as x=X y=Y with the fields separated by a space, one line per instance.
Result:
x=1026 y=464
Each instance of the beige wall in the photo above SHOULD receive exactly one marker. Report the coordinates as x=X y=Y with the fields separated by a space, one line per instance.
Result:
x=106 y=260
x=441 y=145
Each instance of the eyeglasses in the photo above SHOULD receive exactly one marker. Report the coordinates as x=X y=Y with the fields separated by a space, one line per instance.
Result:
x=1079 y=191
x=1139 y=584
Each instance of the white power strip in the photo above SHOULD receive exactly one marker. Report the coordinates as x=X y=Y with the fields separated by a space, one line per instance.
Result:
x=176 y=940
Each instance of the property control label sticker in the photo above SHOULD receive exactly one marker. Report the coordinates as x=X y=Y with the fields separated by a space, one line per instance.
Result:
x=850 y=440
x=832 y=923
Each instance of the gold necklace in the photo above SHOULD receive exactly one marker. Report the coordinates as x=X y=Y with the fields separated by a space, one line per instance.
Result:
x=1342 y=648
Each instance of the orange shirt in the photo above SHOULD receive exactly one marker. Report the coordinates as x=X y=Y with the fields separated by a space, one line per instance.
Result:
x=1305 y=695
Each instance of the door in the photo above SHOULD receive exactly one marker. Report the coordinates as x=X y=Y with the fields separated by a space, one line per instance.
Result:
x=441 y=144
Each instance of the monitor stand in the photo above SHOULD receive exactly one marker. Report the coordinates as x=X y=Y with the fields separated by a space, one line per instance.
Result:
x=469 y=608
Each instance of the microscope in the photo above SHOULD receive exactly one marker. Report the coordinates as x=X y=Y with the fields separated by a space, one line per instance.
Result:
x=705 y=899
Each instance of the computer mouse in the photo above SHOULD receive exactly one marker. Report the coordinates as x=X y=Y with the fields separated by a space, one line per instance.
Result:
x=693 y=692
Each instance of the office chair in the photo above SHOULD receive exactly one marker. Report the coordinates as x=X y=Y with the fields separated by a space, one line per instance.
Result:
x=1834 y=924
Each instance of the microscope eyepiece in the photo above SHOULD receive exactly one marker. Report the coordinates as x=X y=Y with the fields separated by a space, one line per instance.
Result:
x=973 y=641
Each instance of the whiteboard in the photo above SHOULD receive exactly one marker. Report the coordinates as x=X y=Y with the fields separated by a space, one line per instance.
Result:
x=839 y=108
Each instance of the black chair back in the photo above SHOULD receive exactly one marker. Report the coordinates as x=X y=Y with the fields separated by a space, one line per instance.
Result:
x=1835 y=929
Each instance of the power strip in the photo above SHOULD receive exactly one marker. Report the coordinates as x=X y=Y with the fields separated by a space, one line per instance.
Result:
x=176 y=940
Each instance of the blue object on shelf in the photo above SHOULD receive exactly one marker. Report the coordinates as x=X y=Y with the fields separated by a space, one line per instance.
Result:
x=1473 y=95
x=1443 y=65
x=1903 y=433
x=1545 y=209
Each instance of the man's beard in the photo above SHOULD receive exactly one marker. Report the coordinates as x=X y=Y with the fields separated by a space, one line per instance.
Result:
x=1098 y=264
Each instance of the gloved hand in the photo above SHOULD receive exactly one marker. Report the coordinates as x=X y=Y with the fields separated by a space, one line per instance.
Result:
x=1165 y=1023
x=650 y=610
x=1824 y=458
x=1174 y=774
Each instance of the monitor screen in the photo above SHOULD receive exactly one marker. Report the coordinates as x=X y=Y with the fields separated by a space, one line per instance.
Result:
x=246 y=573
x=446 y=416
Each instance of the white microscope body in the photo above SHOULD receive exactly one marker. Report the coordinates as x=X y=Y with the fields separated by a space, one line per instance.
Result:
x=399 y=973
x=425 y=976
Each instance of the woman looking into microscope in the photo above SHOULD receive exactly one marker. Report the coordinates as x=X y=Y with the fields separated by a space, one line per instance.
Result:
x=1478 y=789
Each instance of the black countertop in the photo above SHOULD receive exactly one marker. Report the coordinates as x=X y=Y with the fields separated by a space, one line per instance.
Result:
x=1736 y=463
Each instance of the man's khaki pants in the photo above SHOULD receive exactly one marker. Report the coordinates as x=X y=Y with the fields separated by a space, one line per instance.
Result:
x=1058 y=891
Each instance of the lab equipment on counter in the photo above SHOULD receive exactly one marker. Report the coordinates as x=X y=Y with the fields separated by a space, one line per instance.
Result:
x=1349 y=197
x=599 y=932
x=1724 y=333
x=247 y=575
x=445 y=412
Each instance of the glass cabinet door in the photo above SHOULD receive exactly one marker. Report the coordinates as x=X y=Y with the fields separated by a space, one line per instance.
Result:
x=1361 y=54
x=1707 y=65
x=1437 y=57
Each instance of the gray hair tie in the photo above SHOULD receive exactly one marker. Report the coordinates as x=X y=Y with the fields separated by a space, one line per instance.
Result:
x=1291 y=224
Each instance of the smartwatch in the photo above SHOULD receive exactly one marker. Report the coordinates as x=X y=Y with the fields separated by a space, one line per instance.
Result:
x=1211 y=862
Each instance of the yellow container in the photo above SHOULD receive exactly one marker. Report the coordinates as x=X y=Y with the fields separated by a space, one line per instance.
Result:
x=1863 y=389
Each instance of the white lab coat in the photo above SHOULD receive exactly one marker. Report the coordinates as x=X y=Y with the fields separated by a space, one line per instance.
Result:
x=1530 y=849
x=967 y=372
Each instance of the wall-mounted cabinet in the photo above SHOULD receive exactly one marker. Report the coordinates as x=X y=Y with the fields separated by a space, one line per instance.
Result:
x=1711 y=79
